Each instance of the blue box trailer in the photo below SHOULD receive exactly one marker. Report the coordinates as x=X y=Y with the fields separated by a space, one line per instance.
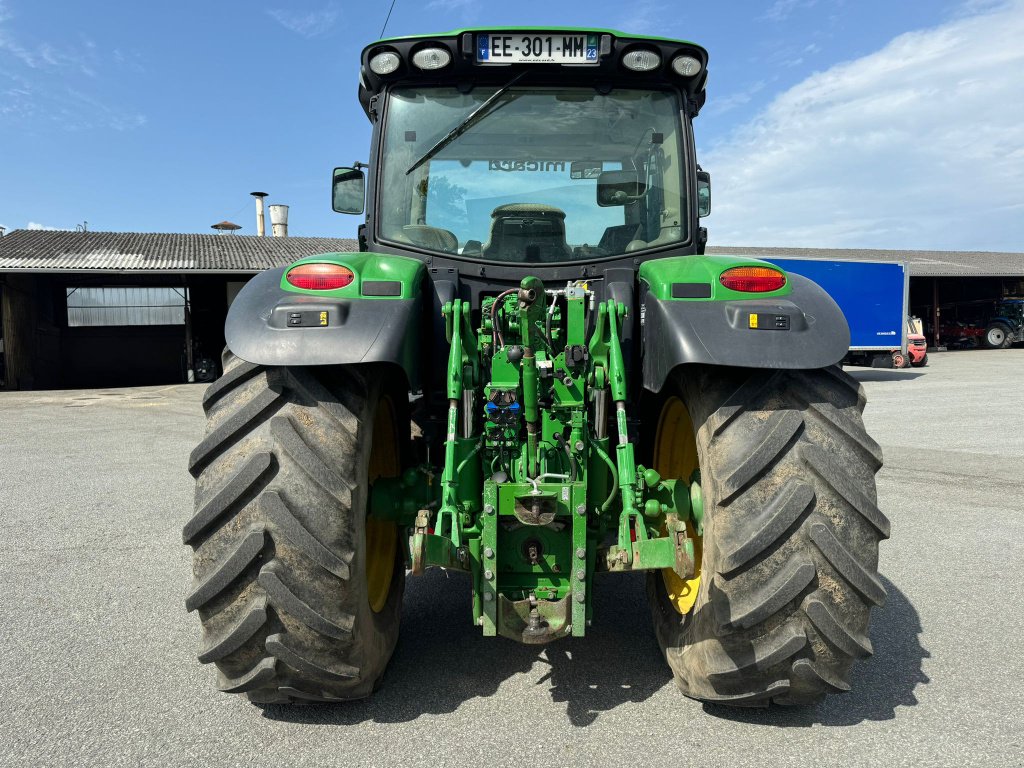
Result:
x=873 y=296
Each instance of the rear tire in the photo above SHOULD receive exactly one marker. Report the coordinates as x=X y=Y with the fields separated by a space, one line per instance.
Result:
x=790 y=545
x=280 y=535
x=922 y=362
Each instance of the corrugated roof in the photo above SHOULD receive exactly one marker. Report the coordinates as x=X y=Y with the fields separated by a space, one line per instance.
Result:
x=48 y=250
x=921 y=263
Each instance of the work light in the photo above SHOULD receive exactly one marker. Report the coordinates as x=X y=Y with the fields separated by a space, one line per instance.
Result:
x=431 y=58
x=641 y=60
x=686 y=66
x=384 y=63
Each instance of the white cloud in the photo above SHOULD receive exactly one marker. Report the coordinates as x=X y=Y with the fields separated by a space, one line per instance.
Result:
x=918 y=145
x=36 y=225
x=308 y=23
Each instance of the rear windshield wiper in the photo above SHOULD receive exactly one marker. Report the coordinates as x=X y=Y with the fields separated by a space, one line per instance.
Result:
x=472 y=119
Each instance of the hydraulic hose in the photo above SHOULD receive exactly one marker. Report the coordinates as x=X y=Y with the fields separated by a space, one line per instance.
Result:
x=611 y=467
x=496 y=339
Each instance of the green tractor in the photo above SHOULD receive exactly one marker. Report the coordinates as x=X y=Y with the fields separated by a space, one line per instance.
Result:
x=531 y=373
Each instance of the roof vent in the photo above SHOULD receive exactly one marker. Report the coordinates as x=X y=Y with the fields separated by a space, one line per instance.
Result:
x=226 y=228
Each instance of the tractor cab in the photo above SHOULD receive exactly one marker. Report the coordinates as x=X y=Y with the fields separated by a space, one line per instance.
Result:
x=520 y=146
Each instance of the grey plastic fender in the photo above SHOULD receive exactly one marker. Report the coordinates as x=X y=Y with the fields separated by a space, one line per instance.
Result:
x=720 y=333
x=357 y=331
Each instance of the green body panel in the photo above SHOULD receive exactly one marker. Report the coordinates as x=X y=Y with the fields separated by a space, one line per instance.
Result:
x=660 y=274
x=365 y=266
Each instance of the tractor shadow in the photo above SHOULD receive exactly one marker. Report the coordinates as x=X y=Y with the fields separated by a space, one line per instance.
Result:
x=884 y=374
x=442 y=661
x=879 y=685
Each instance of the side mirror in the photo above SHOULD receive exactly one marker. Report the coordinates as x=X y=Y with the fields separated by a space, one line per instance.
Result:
x=585 y=169
x=349 y=190
x=703 y=193
x=619 y=188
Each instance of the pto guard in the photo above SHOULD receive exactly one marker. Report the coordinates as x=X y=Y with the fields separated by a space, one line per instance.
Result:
x=270 y=326
x=722 y=332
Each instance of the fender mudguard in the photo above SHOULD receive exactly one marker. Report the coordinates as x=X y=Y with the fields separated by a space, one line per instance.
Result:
x=803 y=329
x=377 y=319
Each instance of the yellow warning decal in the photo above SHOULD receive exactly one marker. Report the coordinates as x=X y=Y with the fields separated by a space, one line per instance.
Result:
x=753 y=320
x=323 y=318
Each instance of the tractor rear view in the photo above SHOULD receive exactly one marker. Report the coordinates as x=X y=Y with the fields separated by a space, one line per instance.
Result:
x=531 y=373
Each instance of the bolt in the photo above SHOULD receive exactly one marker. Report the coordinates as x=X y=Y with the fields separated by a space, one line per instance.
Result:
x=488 y=509
x=488 y=597
x=581 y=553
x=580 y=597
x=488 y=574
x=581 y=574
x=581 y=510
x=567 y=381
x=579 y=445
x=488 y=553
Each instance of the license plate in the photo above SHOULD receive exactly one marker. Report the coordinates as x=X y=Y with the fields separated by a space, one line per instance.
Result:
x=518 y=48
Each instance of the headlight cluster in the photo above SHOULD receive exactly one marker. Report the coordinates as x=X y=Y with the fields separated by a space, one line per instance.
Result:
x=647 y=59
x=386 y=62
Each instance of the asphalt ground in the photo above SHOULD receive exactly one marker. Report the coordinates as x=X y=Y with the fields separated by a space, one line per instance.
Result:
x=98 y=654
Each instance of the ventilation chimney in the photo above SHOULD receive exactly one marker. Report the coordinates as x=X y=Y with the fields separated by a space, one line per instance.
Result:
x=261 y=225
x=279 y=220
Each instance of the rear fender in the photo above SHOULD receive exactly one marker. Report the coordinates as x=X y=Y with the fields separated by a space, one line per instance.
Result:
x=688 y=316
x=375 y=319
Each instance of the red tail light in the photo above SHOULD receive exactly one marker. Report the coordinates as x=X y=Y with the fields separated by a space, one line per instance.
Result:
x=753 y=279
x=320 y=277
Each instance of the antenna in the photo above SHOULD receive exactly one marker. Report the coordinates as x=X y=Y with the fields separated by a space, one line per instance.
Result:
x=386 y=20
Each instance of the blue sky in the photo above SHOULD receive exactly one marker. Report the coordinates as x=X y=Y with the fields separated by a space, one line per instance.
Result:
x=844 y=123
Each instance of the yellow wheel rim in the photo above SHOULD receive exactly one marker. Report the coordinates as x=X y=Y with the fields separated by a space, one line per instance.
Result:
x=675 y=456
x=382 y=537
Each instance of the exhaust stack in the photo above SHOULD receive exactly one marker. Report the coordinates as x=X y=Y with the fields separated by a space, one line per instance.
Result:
x=279 y=220
x=261 y=225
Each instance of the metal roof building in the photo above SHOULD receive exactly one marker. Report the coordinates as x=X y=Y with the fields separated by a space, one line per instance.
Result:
x=154 y=253
x=125 y=308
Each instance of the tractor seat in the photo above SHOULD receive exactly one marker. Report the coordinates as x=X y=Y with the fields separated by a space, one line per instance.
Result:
x=667 y=235
x=527 y=232
x=434 y=238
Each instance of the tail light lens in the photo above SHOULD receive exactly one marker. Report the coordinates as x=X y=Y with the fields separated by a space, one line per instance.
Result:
x=753 y=279
x=319 y=277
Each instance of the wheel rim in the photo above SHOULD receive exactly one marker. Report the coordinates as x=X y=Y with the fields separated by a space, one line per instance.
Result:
x=995 y=336
x=382 y=537
x=675 y=456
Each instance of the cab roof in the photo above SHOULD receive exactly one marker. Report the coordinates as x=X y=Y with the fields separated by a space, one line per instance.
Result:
x=464 y=71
